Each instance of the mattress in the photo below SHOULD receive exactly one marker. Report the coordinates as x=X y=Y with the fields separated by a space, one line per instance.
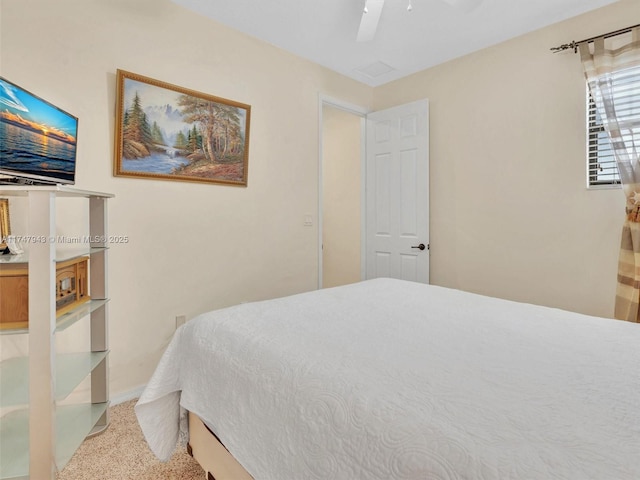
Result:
x=387 y=379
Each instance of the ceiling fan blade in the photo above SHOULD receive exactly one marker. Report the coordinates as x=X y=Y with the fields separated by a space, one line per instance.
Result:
x=370 y=19
x=466 y=5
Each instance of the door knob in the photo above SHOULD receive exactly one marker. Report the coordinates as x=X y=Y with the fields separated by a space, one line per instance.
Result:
x=421 y=246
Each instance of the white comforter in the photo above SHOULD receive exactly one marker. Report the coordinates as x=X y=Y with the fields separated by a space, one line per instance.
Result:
x=388 y=379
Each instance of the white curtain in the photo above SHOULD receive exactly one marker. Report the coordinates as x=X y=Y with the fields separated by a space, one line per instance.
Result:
x=613 y=75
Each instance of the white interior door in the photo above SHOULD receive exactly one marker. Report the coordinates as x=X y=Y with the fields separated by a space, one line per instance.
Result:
x=397 y=193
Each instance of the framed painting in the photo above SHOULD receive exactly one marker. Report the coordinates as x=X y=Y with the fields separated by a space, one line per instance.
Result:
x=172 y=133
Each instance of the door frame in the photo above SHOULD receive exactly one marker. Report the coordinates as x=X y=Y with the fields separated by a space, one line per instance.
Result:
x=327 y=101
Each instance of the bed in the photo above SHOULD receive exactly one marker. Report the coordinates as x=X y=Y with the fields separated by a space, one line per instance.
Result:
x=388 y=379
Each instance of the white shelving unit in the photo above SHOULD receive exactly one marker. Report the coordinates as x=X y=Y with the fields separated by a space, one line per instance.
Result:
x=37 y=436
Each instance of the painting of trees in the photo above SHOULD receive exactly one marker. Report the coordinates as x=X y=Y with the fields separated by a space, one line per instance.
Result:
x=137 y=138
x=156 y=134
x=165 y=131
x=218 y=132
x=181 y=141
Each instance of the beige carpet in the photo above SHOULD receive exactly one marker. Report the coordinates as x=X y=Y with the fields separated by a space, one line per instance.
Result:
x=121 y=453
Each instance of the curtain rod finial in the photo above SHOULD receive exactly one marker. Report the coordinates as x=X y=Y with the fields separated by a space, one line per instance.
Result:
x=573 y=45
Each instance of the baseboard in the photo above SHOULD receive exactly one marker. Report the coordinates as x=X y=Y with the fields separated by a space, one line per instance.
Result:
x=126 y=396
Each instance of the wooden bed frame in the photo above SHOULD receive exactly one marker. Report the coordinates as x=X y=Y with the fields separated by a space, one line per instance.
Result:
x=205 y=447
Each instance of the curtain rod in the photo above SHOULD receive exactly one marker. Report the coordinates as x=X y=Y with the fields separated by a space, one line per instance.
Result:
x=574 y=44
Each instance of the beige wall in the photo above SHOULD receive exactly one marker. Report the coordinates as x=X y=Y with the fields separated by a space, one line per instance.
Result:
x=192 y=247
x=510 y=214
x=340 y=197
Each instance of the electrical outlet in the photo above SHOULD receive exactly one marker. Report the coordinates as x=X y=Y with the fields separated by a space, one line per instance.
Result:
x=180 y=320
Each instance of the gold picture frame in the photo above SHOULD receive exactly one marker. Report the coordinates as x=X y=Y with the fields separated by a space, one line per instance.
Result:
x=166 y=132
x=5 y=224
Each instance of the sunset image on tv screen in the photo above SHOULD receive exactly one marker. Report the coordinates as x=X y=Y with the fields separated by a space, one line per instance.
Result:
x=35 y=136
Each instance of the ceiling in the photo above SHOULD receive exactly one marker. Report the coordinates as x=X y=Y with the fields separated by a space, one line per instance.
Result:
x=434 y=31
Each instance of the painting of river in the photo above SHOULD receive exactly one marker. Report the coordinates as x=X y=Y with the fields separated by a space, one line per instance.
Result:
x=155 y=162
x=171 y=133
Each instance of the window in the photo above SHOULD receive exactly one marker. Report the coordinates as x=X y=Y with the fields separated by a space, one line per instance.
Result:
x=601 y=163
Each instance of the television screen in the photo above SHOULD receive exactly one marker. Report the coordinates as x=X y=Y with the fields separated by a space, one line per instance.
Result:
x=37 y=139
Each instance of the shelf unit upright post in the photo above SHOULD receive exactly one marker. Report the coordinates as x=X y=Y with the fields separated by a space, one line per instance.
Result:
x=99 y=291
x=42 y=326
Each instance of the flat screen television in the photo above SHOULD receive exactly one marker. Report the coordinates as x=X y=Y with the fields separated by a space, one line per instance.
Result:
x=37 y=139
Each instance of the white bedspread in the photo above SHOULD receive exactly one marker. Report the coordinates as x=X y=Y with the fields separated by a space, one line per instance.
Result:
x=388 y=379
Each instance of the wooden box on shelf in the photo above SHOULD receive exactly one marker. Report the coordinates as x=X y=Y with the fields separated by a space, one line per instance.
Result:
x=72 y=289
